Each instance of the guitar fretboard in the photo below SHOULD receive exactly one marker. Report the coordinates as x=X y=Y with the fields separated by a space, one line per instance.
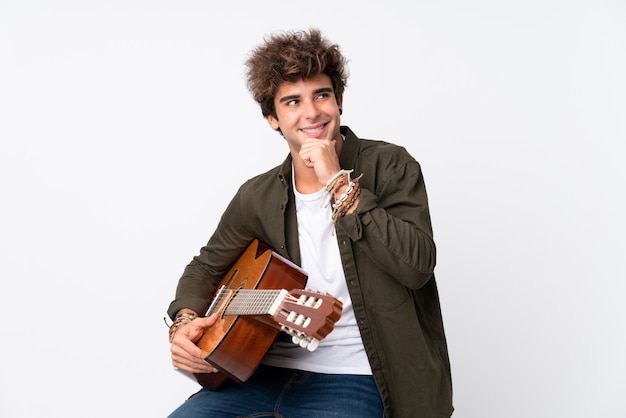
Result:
x=251 y=301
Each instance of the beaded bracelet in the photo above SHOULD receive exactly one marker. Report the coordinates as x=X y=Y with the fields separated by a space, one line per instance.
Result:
x=181 y=319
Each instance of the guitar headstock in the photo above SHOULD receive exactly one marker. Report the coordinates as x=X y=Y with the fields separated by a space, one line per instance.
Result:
x=308 y=316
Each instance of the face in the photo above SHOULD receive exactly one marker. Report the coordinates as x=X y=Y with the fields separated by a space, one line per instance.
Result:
x=306 y=109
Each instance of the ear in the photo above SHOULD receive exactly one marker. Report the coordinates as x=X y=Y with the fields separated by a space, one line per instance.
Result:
x=273 y=122
x=340 y=104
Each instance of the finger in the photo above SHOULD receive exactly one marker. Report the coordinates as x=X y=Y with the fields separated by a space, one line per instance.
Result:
x=190 y=358
x=192 y=366
x=206 y=321
x=193 y=330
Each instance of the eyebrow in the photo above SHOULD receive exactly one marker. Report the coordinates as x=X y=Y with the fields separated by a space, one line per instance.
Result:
x=296 y=96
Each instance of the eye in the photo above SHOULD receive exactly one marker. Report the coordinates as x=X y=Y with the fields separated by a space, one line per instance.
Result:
x=291 y=102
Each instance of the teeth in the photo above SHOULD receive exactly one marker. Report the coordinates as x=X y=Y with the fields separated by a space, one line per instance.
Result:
x=312 y=130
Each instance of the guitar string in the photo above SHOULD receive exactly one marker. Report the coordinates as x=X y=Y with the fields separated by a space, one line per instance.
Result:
x=252 y=302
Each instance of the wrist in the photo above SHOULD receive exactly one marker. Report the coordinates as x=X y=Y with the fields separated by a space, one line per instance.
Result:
x=344 y=193
x=182 y=317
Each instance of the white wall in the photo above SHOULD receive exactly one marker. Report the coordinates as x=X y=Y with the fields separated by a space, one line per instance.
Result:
x=126 y=127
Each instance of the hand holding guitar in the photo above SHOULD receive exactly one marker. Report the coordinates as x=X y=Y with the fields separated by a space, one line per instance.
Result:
x=248 y=311
x=186 y=355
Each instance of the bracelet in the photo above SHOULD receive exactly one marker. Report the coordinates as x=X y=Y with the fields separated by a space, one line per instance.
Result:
x=330 y=184
x=181 y=319
x=343 y=206
x=344 y=195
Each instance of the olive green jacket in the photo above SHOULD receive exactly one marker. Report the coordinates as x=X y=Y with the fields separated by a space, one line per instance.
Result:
x=388 y=257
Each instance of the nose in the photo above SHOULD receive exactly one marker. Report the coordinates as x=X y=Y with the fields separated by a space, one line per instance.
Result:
x=311 y=110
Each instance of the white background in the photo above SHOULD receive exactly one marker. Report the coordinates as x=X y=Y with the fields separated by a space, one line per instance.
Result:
x=126 y=127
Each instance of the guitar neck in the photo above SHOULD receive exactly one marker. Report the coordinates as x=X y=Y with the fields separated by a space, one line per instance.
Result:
x=248 y=301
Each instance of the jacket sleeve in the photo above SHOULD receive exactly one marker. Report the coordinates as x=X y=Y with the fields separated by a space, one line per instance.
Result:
x=391 y=224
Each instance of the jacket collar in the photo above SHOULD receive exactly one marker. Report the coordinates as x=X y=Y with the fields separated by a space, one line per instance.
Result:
x=350 y=150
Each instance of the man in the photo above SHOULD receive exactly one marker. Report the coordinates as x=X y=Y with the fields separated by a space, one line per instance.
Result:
x=372 y=246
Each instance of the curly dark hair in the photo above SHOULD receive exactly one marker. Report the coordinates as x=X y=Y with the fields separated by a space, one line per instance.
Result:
x=293 y=56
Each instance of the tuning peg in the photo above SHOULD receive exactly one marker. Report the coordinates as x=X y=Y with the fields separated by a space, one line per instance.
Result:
x=299 y=319
x=313 y=344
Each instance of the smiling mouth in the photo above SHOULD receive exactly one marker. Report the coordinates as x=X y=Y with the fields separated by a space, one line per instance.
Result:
x=314 y=130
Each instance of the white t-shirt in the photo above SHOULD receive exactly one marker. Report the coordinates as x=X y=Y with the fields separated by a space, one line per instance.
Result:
x=342 y=350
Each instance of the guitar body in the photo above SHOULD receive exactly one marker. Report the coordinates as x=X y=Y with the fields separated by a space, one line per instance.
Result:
x=235 y=345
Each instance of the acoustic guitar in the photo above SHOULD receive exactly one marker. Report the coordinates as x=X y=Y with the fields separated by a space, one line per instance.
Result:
x=253 y=306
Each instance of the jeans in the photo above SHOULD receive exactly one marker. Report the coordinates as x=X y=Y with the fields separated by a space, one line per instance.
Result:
x=278 y=392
